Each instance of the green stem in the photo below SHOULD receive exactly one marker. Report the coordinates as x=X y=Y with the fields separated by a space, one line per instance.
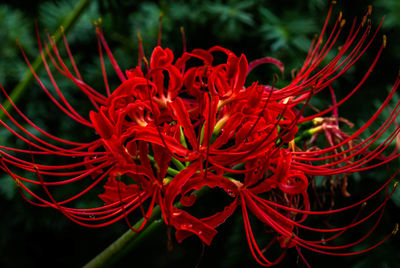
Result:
x=127 y=241
x=38 y=63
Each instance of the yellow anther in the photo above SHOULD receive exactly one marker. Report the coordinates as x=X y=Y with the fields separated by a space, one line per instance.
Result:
x=340 y=16
x=98 y=22
x=333 y=2
x=369 y=10
x=364 y=20
x=364 y=205
x=342 y=23
x=384 y=40
x=139 y=37
x=318 y=120
x=286 y=100
x=166 y=181
x=396 y=229
x=62 y=29
x=145 y=61
x=157 y=167
x=292 y=146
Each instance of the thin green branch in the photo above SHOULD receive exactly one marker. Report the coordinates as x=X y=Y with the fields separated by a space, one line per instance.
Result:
x=38 y=63
x=127 y=241
x=130 y=239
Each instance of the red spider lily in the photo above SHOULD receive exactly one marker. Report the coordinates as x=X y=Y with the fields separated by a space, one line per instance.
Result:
x=169 y=130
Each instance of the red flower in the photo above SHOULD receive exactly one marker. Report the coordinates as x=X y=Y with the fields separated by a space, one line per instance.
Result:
x=168 y=130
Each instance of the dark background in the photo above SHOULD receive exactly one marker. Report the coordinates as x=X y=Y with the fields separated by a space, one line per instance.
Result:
x=40 y=237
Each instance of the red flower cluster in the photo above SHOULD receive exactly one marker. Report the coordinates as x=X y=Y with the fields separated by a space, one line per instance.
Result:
x=170 y=130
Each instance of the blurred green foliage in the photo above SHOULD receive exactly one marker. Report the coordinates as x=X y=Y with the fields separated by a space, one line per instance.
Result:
x=14 y=26
x=33 y=237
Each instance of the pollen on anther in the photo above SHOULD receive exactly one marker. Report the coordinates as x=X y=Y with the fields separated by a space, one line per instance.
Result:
x=145 y=60
x=139 y=37
x=396 y=229
x=364 y=20
x=369 y=10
